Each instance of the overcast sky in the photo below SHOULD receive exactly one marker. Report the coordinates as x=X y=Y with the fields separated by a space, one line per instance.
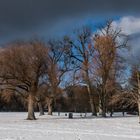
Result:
x=20 y=19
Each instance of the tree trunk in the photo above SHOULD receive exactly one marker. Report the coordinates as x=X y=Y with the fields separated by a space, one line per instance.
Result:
x=93 y=107
x=139 y=109
x=41 y=110
x=92 y=104
x=31 y=115
x=49 y=109
x=104 y=111
x=103 y=100
x=50 y=106
x=100 y=108
x=89 y=88
x=103 y=107
x=111 y=113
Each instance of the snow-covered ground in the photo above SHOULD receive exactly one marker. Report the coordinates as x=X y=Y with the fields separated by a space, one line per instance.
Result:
x=13 y=126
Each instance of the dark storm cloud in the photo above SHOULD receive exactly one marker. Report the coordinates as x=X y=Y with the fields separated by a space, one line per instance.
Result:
x=23 y=17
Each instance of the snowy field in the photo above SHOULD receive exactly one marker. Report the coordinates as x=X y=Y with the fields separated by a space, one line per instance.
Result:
x=13 y=126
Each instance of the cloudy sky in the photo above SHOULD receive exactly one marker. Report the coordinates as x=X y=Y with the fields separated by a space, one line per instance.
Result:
x=22 y=19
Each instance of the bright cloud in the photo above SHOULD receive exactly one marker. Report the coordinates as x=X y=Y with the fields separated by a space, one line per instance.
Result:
x=129 y=25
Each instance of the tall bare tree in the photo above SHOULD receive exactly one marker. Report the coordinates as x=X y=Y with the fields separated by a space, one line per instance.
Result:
x=81 y=53
x=107 y=45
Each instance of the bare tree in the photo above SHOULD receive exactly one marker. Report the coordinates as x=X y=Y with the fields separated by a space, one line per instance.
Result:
x=22 y=66
x=81 y=53
x=107 y=43
x=133 y=94
x=58 y=64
